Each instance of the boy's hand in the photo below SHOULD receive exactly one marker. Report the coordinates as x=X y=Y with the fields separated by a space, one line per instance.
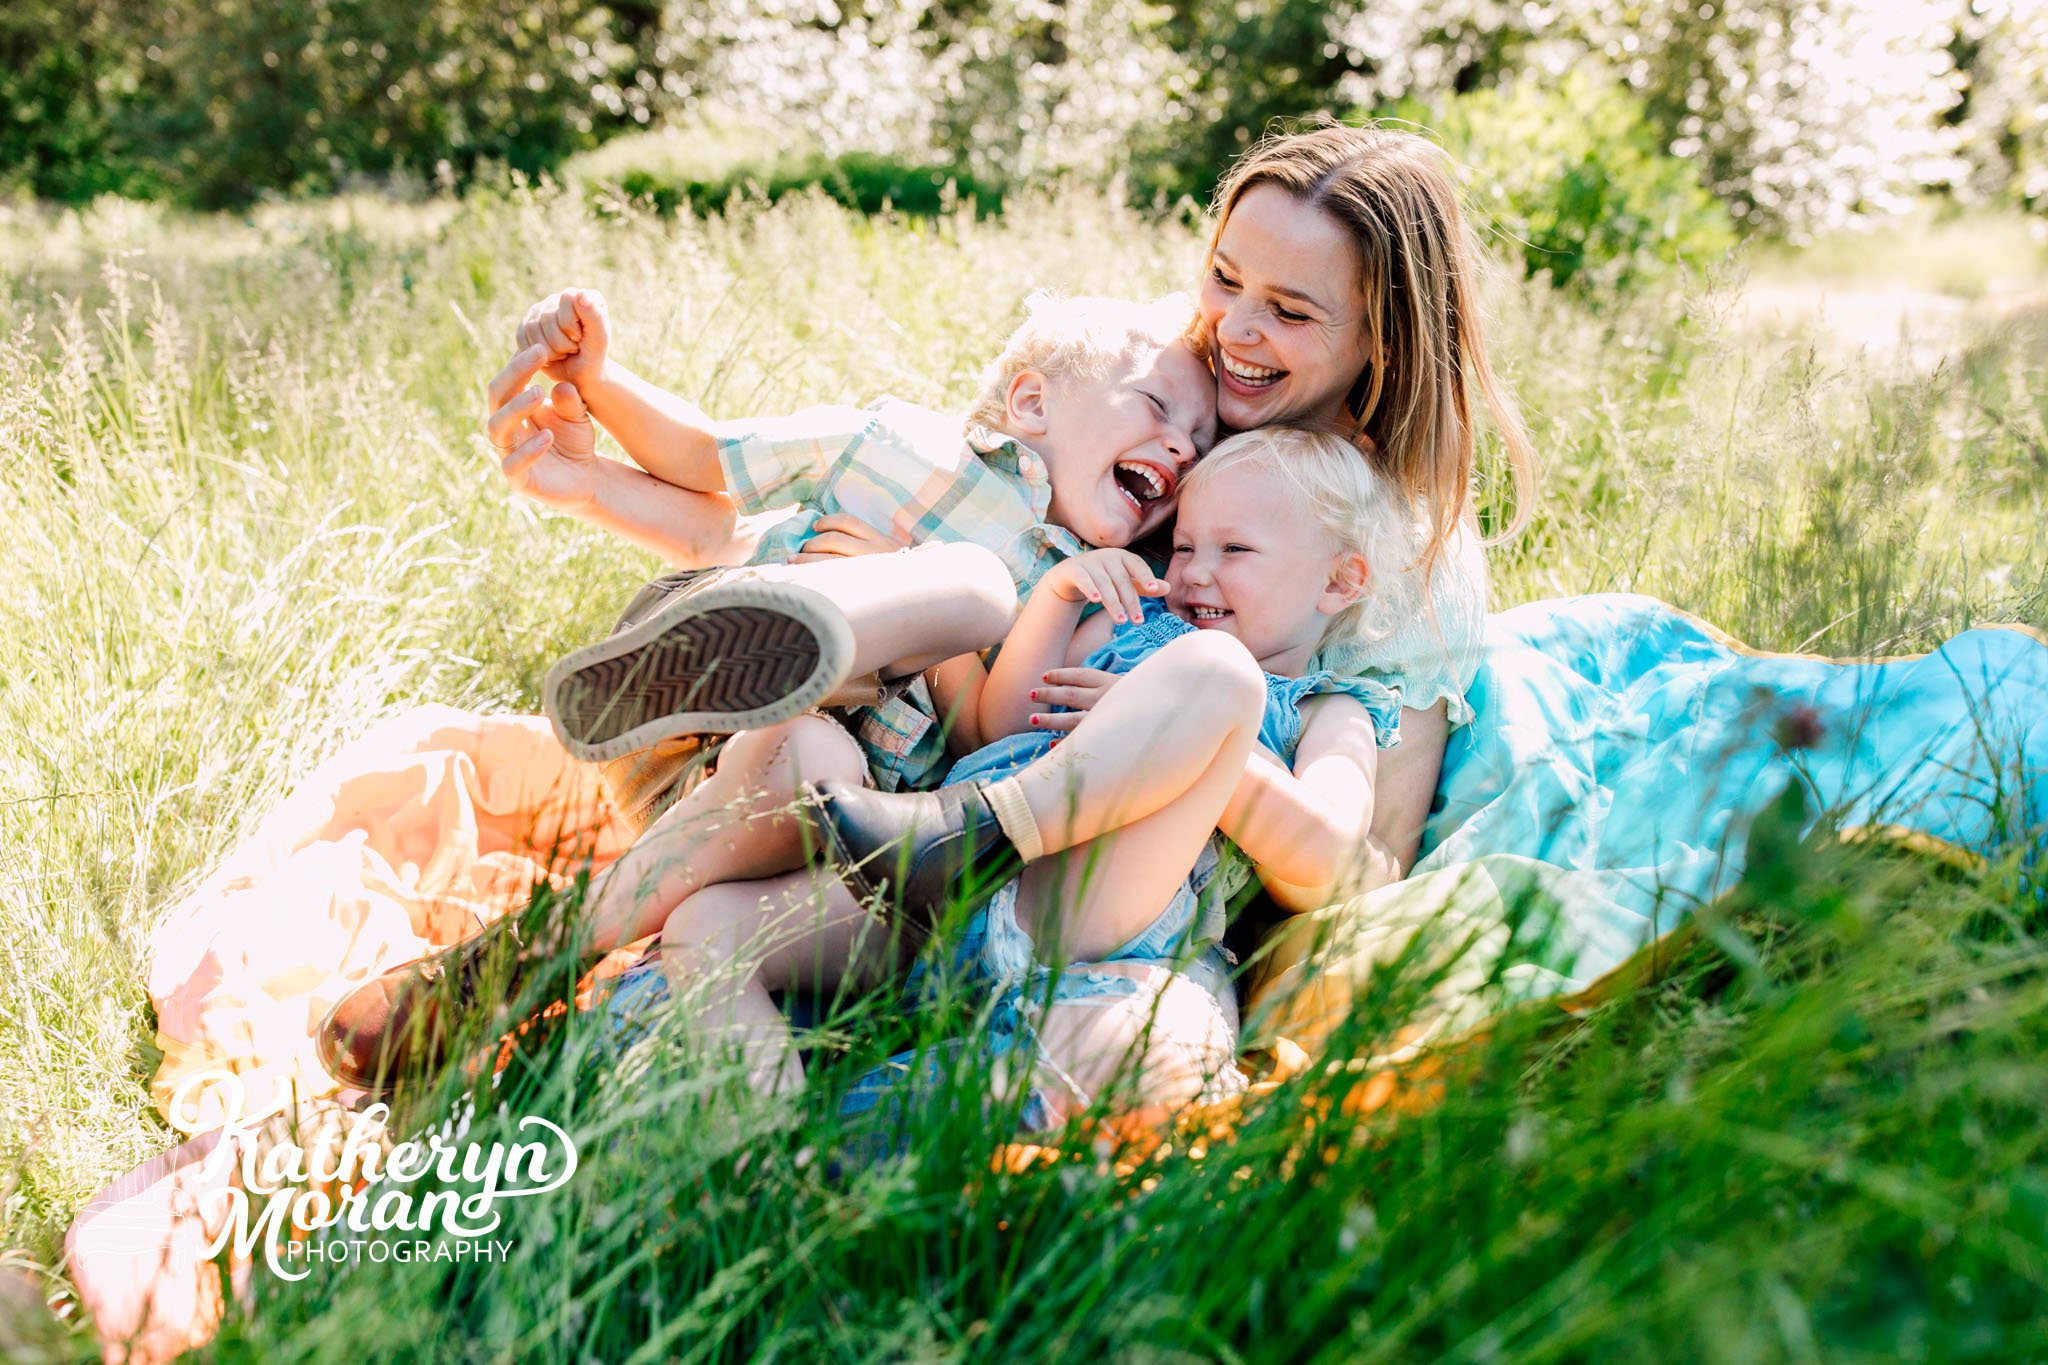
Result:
x=573 y=330
x=1117 y=579
x=842 y=535
x=547 y=447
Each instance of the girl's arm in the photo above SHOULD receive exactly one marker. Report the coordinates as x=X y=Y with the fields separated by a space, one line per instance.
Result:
x=1049 y=633
x=956 y=687
x=1303 y=828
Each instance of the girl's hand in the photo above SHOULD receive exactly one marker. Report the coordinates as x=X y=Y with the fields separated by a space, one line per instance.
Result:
x=841 y=535
x=1117 y=579
x=573 y=330
x=1077 y=688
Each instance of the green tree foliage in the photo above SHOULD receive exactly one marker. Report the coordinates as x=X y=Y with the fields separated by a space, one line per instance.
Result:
x=216 y=101
x=1572 y=181
x=61 y=67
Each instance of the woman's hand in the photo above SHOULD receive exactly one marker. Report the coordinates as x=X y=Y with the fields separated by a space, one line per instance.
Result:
x=841 y=535
x=1118 y=579
x=545 y=441
x=1076 y=688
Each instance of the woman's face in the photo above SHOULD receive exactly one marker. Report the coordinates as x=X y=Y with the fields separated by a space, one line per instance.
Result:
x=1284 y=313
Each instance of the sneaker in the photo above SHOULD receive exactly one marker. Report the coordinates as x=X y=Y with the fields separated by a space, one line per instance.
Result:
x=716 y=658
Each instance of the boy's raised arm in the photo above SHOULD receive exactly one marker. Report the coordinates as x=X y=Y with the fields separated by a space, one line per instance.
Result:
x=547 y=450
x=670 y=437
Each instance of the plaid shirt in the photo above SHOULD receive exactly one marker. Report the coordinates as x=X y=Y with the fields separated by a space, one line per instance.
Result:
x=914 y=471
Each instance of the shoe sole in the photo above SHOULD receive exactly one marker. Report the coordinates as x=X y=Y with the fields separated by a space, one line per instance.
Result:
x=735 y=656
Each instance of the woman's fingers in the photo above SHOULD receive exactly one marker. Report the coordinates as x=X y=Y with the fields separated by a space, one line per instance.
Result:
x=1079 y=688
x=518 y=371
x=568 y=403
x=835 y=545
x=1094 y=678
x=520 y=457
x=513 y=417
x=1127 y=594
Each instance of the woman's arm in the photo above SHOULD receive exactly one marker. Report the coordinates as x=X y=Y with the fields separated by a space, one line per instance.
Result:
x=1303 y=828
x=690 y=530
x=1403 y=793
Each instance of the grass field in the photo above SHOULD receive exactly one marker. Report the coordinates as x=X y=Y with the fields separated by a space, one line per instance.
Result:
x=249 y=512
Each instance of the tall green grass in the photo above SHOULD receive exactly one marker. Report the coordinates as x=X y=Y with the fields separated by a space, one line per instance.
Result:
x=248 y=513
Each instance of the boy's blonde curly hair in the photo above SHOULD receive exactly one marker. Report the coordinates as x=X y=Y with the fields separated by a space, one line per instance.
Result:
x=1077 y=338
x=1335 y=486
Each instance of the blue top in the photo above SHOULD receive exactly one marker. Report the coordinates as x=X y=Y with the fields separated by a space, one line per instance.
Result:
x=1134 y=642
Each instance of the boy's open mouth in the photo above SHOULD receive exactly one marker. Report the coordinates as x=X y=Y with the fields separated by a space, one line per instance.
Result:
x=1141 y=484
x=1248 y=376
x=1207 y=615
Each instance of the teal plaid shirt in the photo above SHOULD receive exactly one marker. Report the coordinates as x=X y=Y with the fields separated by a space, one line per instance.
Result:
x=914 y=471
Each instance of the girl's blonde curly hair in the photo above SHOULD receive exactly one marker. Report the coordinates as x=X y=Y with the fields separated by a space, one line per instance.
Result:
x=1359 y=508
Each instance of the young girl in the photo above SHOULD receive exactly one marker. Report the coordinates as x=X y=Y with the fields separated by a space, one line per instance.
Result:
x=1190 y=715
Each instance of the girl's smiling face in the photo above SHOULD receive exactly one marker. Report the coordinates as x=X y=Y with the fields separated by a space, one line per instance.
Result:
x=1284 y=310
x=1248 y=563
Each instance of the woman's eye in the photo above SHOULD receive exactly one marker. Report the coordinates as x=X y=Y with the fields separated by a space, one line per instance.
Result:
x=1289 y=315
x=1222 y=279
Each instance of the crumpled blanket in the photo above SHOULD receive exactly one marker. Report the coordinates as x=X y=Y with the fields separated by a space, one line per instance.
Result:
x=1621 y=749
x=430 y=826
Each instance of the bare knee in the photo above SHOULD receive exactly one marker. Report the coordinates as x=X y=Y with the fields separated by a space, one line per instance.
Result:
x=1211 y=669
x=780 y=759
x=1169 y=1045
x=716 y=919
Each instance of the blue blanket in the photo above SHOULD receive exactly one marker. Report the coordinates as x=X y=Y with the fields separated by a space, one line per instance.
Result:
x=1621 y=748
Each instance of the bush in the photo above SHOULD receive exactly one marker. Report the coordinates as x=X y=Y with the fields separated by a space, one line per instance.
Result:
x=858 y=180
x=1572 y=180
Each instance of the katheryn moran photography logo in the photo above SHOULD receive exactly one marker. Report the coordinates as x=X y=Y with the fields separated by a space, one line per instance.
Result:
x=337 y=1189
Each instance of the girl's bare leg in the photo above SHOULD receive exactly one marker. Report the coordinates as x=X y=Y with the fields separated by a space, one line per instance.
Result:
x=727 y=946
x=737 y=824
x=1134 y=793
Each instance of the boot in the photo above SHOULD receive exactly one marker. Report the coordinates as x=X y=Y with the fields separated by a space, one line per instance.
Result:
x=923 y=849
x=409 y=1017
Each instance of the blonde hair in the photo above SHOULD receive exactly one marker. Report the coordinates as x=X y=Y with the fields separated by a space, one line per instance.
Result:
x=1078 y=338
x=1355 y=505
x=1394 y=192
